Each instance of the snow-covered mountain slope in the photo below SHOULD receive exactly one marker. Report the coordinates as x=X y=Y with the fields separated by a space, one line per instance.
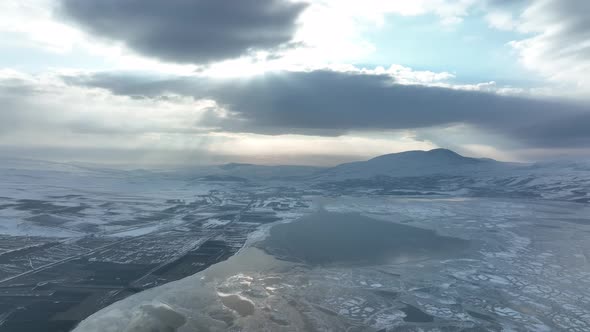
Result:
x=446 y=172
x=412 y=163
x=561 y=181
x=438 y=171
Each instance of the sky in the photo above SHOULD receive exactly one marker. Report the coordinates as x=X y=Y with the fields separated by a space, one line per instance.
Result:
x=318 y=82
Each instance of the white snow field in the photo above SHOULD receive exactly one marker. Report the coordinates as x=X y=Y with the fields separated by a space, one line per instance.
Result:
x=418 y=241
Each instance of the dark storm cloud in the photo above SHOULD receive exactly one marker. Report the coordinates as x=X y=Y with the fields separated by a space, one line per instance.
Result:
x=333 y=103
x=563 y=129
x=189 y=31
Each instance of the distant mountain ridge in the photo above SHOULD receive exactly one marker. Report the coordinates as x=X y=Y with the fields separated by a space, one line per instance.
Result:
x=434 y=172
x=402 y=164
x=412 y=163
x=439 y=153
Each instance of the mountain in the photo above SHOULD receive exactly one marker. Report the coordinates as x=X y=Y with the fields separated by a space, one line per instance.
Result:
x=404 y=164
x=411 y=164
x=434 y=172
x=442 y=171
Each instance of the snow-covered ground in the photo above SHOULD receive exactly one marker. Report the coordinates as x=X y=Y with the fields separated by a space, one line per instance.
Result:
x=527 y=268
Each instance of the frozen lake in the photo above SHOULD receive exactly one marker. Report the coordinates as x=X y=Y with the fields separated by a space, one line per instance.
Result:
x=482 y=264
x=330 y=238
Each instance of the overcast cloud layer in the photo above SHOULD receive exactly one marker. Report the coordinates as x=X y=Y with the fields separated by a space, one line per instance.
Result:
x=255 y=77
x=333 y=103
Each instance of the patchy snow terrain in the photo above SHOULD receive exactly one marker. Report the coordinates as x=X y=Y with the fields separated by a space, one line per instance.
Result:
x=486 y=246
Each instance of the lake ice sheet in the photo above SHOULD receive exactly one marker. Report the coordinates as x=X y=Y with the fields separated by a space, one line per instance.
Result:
x=480 y=264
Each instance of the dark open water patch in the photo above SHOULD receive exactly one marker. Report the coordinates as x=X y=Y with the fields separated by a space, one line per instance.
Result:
x=415 y=315
x=48 y=220
x=481 y=316
x=327 y=238
x=39 y=207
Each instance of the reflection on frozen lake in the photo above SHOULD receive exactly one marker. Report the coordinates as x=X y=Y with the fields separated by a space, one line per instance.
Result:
x=425 y=265
x=325 y=238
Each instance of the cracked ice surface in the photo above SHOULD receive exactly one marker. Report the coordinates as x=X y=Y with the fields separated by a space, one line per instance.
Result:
x=525 y=269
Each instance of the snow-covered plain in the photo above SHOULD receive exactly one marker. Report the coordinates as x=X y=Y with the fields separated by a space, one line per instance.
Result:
x=526 y=269
x=116 y=232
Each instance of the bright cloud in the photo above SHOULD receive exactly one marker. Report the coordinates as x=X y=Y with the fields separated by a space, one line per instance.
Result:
x=276 y=79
